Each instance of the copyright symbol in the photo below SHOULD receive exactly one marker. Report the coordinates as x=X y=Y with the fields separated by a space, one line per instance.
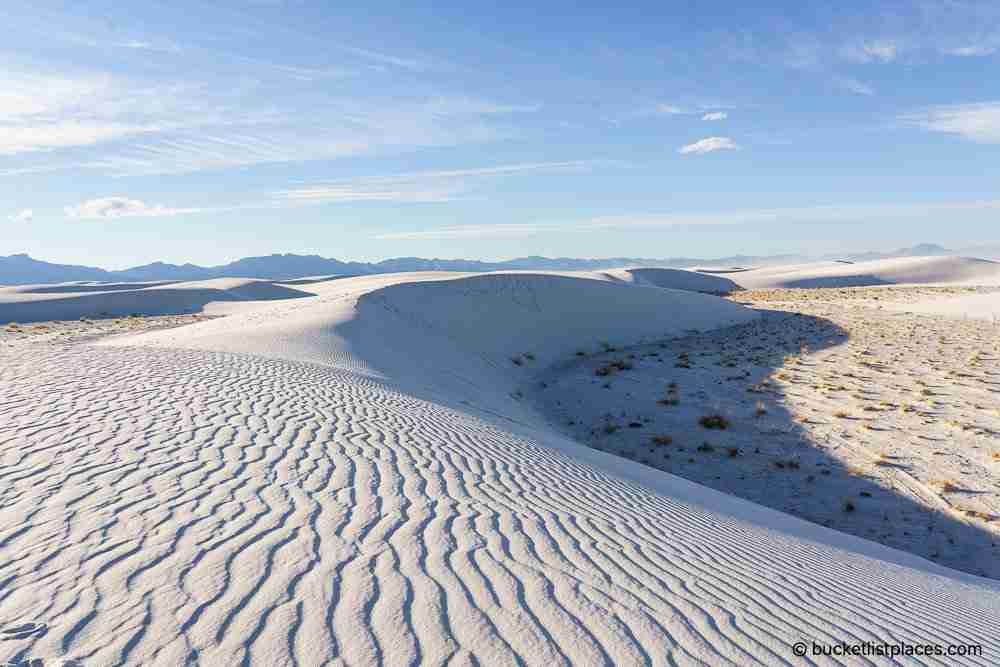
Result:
x=799 y=648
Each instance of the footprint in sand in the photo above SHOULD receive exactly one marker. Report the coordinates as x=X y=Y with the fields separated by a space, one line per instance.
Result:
x=23 y=631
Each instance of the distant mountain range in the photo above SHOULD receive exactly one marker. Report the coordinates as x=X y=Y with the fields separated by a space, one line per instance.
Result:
x=22 y=269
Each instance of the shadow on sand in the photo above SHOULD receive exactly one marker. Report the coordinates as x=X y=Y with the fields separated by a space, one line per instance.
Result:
x=771 y=459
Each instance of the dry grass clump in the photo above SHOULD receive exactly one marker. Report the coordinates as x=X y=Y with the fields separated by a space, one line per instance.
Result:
x=714 y=422
x=613 y=367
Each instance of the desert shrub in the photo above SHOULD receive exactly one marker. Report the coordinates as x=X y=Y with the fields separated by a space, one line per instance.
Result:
x=714 y=421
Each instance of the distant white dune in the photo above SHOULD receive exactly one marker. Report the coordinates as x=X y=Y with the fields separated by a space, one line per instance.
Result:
x=352 y=478
x=69 y=301
x=897 y=271
x=673 y=279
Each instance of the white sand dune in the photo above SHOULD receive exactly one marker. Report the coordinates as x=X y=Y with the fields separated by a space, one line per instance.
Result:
x=898 y=271
x=67 y=301
x=39 y=303
x=351 y=479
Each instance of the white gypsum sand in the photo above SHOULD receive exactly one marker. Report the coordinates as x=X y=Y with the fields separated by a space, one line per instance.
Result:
x=357 y=476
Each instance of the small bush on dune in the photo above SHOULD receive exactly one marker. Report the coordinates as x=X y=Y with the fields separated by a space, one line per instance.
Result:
x=714 y=421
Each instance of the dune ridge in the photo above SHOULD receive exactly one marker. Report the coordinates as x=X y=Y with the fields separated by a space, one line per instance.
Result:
x=935 y=270
x=350 y=478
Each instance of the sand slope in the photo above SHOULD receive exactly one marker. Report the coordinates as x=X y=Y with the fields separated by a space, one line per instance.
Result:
x=899 y=271
x=350 y=479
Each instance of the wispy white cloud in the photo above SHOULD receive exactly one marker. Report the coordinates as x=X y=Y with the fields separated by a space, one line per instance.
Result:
x=852 y=85
x=62 y=134
x=139 y=127
x=979 y=122
x=878 y=50
x=971 y=51
x=708 y=145
x=705 y=109
x=669 y=109
x=412 y=64
x=172 y=127
x=470 y=231
x=348 y=134
x=912 y=31
x=800 y=215
x=123 y=207
x=418 y=187
x=43 y=112
x=23 y=216
x=363 y=192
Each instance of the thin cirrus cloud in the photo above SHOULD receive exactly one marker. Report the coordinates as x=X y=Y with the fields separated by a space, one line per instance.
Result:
x=107 y=208
x=421 y=187
x=43 y=112
x=146 y=128
x=978 y=122
x=853 y=85
x=874 y=51
x=416 y=187
x=708 y=145
x=800 y=215
x=669 y=109
x=971 y=51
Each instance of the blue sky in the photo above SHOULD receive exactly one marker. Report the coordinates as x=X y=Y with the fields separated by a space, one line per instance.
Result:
x=203 y=132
